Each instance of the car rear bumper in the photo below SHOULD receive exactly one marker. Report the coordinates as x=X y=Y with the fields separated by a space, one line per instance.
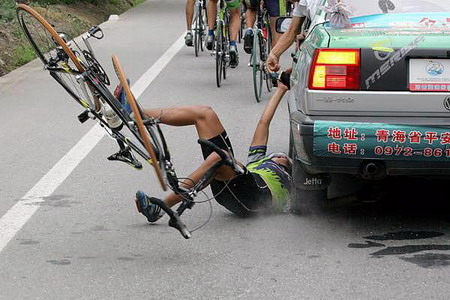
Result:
x=303 y=135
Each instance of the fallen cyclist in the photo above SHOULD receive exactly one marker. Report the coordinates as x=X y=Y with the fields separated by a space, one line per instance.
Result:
x=266 y=180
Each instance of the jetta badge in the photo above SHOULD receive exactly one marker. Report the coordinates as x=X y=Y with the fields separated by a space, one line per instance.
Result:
x=447 y=103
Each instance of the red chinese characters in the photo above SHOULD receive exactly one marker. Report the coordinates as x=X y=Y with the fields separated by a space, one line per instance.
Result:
x=445 y=138
x=350 y=149
x=430 y=136
x=334 y=148
x=335 y=133
x=382 y=135
x=399 y=136
x=415 y=137
x=350 y=134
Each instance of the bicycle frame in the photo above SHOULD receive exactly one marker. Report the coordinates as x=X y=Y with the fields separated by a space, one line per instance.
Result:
x=92 y=80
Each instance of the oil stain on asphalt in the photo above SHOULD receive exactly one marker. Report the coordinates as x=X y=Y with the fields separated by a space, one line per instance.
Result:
x=424 y=260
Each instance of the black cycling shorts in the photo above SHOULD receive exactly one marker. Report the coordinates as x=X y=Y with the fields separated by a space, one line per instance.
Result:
x=245 y=193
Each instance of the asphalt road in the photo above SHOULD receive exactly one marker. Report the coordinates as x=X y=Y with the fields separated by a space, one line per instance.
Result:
x=87 y=241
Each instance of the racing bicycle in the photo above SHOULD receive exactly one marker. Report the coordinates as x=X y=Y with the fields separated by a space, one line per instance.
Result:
x=73 y=65
x=222 y=42
x=199 y=25
x=262 y=42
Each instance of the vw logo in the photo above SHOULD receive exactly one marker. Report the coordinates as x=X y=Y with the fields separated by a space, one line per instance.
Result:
x=447 y=103
x=434 y=68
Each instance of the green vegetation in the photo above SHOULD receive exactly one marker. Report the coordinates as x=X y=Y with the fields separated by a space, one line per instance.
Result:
x=7 y=10
x=21 y=55
x=70 y=16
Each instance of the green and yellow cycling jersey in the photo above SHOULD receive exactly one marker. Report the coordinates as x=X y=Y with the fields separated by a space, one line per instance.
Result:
x=276 y=178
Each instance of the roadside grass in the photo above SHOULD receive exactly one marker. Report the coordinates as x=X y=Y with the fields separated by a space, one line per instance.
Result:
x=72 y=17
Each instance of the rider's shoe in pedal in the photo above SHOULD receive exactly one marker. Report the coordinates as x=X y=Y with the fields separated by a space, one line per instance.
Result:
x=248 y=41
x=209 y=42
x=234 y=57
x=151 y=211
x=188 y=39
x=127 y=157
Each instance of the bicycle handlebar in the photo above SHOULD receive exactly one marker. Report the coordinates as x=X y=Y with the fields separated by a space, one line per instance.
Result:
x=175 y=220
x=284 y=77
x=187 y=202
x=227 y=160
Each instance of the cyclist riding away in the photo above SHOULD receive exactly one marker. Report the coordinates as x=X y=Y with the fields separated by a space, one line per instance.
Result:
x=304 y=9
x=276 y=8
x=265 y=182
x=234 y=7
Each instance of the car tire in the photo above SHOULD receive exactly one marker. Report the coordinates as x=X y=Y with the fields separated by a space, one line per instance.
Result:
x=308 y=191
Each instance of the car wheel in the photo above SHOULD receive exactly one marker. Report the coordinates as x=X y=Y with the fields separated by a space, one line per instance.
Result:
x=308 y=191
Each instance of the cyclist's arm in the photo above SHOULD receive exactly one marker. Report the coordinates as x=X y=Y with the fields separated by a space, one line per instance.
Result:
x=261 y=134
x=285 y=41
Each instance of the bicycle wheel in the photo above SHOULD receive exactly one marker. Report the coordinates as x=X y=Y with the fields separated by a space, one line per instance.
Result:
x=53 y=50
x=143 y=130
x=226 y=45
x=203 y=27
x=219 y=54
x=196 y=27
x=226 y=53
x=256 y=65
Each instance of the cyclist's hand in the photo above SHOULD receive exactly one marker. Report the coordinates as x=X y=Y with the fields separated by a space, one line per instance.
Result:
x=300 y=39
x=282 y=86
x=284 y=82
x=273 y=63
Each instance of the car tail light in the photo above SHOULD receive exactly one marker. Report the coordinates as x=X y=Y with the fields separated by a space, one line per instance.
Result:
x=335 y=69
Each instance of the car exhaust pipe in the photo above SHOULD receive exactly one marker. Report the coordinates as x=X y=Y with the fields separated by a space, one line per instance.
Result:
x=373 y=170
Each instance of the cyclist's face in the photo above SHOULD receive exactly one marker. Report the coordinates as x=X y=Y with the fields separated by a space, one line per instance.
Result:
x=281 y=161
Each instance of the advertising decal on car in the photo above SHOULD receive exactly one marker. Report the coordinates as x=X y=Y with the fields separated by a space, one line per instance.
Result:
x=381 y=141
x=410 y=20
x=396 y=57
x=429 y=75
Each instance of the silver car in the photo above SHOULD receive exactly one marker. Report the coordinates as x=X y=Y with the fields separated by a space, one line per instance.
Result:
x=371 y=99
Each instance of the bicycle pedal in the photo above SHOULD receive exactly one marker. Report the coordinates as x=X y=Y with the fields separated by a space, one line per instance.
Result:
x=126 y=157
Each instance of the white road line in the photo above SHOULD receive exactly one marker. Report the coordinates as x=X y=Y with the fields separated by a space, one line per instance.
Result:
x=17 y=216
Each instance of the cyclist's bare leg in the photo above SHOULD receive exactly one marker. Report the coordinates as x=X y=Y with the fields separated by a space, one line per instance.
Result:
x=223 y=174
x=235 y=23
x=208 y=126
x=250 y=17
x=204 y=118
x=189 y=13
x=212 y=13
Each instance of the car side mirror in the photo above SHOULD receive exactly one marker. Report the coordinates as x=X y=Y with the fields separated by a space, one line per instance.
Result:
x=282 y=24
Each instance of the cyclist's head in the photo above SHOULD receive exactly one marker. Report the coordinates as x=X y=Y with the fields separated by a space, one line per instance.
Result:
x=283 y=160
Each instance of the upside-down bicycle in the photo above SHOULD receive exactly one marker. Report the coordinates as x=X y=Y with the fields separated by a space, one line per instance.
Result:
x=74 y=66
